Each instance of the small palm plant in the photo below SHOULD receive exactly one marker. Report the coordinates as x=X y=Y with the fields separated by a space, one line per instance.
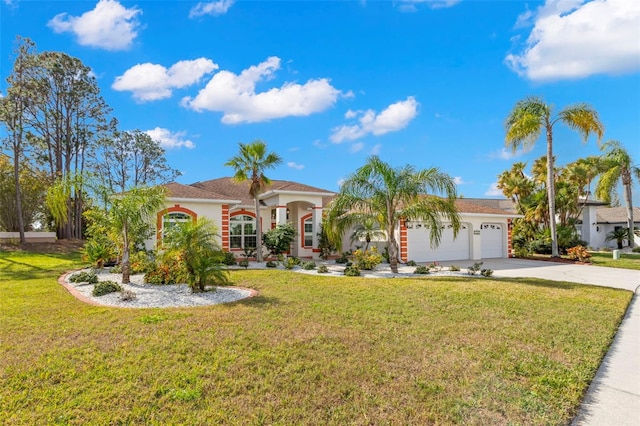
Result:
x=618 y=235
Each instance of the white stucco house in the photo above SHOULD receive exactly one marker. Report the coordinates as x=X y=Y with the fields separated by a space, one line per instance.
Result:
x=485 y=230
x=598 y=221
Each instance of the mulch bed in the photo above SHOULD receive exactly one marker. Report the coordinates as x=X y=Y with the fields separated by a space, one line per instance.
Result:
x=557 y=260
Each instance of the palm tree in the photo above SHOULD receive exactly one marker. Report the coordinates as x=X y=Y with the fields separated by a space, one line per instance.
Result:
x=250 y=163
x=196 y=243
x=368 y=229
x=131 y=212
x=619 y=167
x=380 y=192
x=529 y=118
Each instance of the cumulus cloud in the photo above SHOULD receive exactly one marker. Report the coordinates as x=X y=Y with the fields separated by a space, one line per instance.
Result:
x=150 y=82
x=236 y=97
x=213 y=8
x=318 y=144
x=170 y=140
x=376 y=149
x=493 y=191
x=295 y=165
x=109 y=25
x=508 y=154
x=458 y=180
x=356 y=147
x=575 y=39
x=395 y=117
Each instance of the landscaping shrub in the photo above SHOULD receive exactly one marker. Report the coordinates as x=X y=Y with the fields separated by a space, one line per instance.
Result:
x=486 y=272
x=244 y=264
x=169 y=269
x=309 y=266
x=229 y=259
x=367 y=260
x=291 y=262
x=579 y=253
x=352 y=271
x=84 y=277
x=636 y=249
x=475 y=268
x=105 y=287
x=435 y=266
x=98 y=250
x=141 y=262
x=411 y=263
x=271 y=264
x=323 y=269
x=279 y=239
x=344 y=258
x=421 y=269
x=454 y=268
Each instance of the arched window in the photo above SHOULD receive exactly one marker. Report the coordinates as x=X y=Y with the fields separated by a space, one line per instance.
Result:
x=242 y=232
x=170 y=220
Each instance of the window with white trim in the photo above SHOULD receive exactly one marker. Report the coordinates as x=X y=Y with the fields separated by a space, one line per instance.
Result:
x=171 y=219
x=308 y=232
x=242 y=232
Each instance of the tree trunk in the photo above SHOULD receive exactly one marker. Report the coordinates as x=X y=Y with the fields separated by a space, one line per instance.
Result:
x=258 y=231
x=551 y=193
x=626 y=182
x=125 y=257
x=393 y=251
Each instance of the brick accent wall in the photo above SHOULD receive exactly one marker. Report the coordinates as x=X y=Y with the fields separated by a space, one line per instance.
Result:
x=225 y=227
x=403 y=242
x=510 y=252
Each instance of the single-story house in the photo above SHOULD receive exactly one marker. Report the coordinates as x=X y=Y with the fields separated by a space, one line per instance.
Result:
x=599 y=220
x=485 y=231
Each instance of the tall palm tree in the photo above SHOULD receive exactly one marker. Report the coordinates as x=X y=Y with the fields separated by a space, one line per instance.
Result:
x=619 y=167
x=524 y=124
x=130 y=212
x=249 y=165
x=387 y=194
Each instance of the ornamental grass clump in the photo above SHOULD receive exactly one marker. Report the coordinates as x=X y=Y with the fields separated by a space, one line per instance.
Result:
x=309 y=265
x=84 y=277
x=352 y=271
x=421 y=269
x=367 y=260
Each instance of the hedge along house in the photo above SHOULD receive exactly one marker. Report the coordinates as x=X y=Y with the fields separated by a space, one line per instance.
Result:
x=228 y=204
x=485 y=230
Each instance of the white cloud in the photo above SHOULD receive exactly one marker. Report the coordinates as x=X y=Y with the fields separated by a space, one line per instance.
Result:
x=235 y=95
x=295 y=165
x=575 y=39
x=410 y=5
x=213 y=8
x=376 y=149
x=356 y=147
x=508 y=154
x=458 y=180
x=109 y=26
x=395 y=117
x=493 y=191
x=318 y=144
x=168 y=139
x=150 y=82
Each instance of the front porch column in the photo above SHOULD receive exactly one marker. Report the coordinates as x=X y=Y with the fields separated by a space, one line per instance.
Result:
x=281 y=215
x=317 y=222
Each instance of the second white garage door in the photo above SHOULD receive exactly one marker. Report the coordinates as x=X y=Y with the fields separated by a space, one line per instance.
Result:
x=491 y=235
x=419 y=248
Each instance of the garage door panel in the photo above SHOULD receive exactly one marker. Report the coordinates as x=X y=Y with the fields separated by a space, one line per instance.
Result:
x=492 y=240
x=450 y=248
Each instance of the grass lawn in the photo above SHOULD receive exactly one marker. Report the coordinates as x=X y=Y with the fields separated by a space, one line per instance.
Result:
x=307 y=350
x=626 y=261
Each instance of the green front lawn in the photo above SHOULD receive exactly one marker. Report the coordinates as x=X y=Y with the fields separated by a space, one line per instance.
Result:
x=626 y=261
x=307 y=350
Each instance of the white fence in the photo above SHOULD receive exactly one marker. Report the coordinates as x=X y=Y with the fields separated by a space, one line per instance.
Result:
x=32 y=237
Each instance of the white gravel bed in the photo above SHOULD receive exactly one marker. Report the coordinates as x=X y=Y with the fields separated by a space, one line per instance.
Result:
x=158 y=296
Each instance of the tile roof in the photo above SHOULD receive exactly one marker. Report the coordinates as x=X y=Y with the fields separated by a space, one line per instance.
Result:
x=473 y=206
x=178 y=190
x=616 y=215
x=504 y=204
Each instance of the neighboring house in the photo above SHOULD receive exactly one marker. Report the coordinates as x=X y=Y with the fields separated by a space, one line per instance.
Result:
x=485 y=230
x=598 y=221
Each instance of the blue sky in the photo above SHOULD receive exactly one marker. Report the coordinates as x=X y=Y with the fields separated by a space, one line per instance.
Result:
x=328 y=83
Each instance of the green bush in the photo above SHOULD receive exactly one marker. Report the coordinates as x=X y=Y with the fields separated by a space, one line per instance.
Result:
x=98 y=250
x=454 y=268
x=323 y=269
x=475 y=268
x=84 y=277
x=168 y=270
x=411 y=263
x=435 y=266
x=244 y=264
x=279 y=239
x=271 y=264
x=229 y=259
x=105 y=287
x=344 y=258
x=291 y=262
x=352 y=271
x=309 y=266
x=141 y=262
x=636 y=249
x=367 y=260
x=486 y=272
x=421 y=269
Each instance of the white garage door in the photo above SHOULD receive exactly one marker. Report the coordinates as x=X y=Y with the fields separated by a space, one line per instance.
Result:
x=491 y=235
x=419 y=248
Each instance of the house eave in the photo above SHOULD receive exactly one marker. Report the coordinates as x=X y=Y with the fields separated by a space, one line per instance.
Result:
x=281 y=192
x=202 y=200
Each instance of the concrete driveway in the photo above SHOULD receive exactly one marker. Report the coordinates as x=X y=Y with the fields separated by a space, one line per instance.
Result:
x=613 y=398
